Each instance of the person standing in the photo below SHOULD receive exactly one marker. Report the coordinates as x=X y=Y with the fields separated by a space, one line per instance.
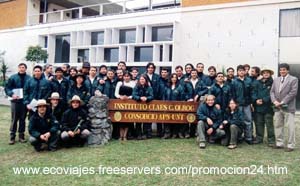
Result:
x=283 y=95
x=263 y=108
x=18 y=108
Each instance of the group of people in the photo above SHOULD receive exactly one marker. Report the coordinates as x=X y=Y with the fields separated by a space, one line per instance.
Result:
x=230 y=104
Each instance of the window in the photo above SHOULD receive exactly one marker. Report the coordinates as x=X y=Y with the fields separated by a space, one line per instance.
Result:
x=45 y=41
x=97 y=38
x=290 y=23
x=142 y=54
x=62 y=49
x=127 y=36
x=111 y=54
x=83 y=55
x=162 y=33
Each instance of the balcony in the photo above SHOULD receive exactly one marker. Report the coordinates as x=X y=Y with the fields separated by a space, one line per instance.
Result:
x=52 y=11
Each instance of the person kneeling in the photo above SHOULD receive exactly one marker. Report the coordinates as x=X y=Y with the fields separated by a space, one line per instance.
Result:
x=233 y=124
x=75 y=124
x=43 y=128
x=209 y=124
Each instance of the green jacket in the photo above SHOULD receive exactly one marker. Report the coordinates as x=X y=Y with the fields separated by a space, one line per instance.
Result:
x=262 y=91
x=92 y=86
x=36 y=89
x=175 y=94
x=71 y=118
x=242 y=91
x=204 y=111
x=38 y=125
x=62 y=88
x=187 y=89
x=140 y=91
x=222 y=94
x=82 y=92
x=16 y=81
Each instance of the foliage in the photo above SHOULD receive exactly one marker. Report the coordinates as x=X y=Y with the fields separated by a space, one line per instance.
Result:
x=36 y=54
x=3 y=66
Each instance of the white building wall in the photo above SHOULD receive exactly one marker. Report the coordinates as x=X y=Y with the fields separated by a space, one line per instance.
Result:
x=220 y=35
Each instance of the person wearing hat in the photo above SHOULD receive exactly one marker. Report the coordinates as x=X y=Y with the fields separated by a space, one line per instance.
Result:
x=56 y=107
x=43 y=128
x=75 y=123
x=61 y=85
x=85 y=68
x=263 y=108
x=79 y=88
x=241 y=88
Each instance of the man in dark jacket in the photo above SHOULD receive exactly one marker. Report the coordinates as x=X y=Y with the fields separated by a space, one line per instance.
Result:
x=210 y=119
x=263 y=108
x=92 y=80
x=36 y=88
x=153 y=79
x=43 y=128
x=242 y=92
x=75 y=123
x=13 y=87
x=61 y=85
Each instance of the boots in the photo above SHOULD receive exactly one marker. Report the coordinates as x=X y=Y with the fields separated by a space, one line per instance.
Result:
x=12 y=141
x=22 y=138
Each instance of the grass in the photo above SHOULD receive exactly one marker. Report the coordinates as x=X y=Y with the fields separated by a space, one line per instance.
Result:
x=149 y=153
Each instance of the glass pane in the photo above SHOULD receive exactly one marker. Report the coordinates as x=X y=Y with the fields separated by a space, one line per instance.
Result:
x=111 y=54
x=290 y=23
x=83 y=55
x=97 y=38
x=127 y=36
x=143 y=54
x=162 y=33
x=62 y=49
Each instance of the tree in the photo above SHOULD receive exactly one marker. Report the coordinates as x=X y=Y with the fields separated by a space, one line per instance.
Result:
x=36 y=54
x=3 y=67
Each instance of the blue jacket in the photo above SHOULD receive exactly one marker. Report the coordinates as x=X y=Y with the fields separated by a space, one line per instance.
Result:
x=154 y=84
x=82 y=92
x=242 y=91
x=62 y=88
x=235 y=118
x=175 y=94
x=36 y=89
x=14 y=82
x=92 y=86
x=262 y=91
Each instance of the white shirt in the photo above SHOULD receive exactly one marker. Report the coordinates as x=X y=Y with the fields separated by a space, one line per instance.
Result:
x=150 y=76
x=194 y=82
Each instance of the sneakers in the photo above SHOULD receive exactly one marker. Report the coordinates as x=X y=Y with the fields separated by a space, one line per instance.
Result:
x=180 y=136
x=232 y=146
x=202 y=145
x=12 y=141
x=22 y=138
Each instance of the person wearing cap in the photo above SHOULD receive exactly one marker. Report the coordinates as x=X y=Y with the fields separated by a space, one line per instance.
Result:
x=18 y=108
x=241 y=89
x=283 y=95
x=85 y=68
x=75 y=123
x=43 y=128
x=263 y=108
x=79 y=88
x=56 y=107
x=61 y=85
x=36 y=88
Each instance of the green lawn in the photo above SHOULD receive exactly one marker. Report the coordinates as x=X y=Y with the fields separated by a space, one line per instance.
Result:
x=149 y=153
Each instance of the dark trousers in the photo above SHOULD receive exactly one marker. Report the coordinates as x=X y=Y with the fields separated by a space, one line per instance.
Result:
x=147 y=129
x=159 y=129
x=262 y=121
x=18 y=114
x=37 y=142
x=233 y=133
x=116 y=131
x=193 y=130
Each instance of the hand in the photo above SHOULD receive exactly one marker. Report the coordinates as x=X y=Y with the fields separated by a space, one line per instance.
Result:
x=209 y=121
x=144 y=98
x=28 y=107
x=71 y=134
x=221 y=126
x=101 y=81
x=15 y=96
x=277 y=104
x=43 y=137
x=190 y=100
x=225 y=122
x=77 y=131
x=259 y=102
x=218 y=106
x=209 y=131
x=123 y=97
x=48 y=134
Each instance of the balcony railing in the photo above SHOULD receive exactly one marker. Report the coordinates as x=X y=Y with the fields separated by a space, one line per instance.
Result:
x=103 y=9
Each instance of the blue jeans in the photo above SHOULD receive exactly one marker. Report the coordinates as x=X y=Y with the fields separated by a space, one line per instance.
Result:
x=248 y=130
